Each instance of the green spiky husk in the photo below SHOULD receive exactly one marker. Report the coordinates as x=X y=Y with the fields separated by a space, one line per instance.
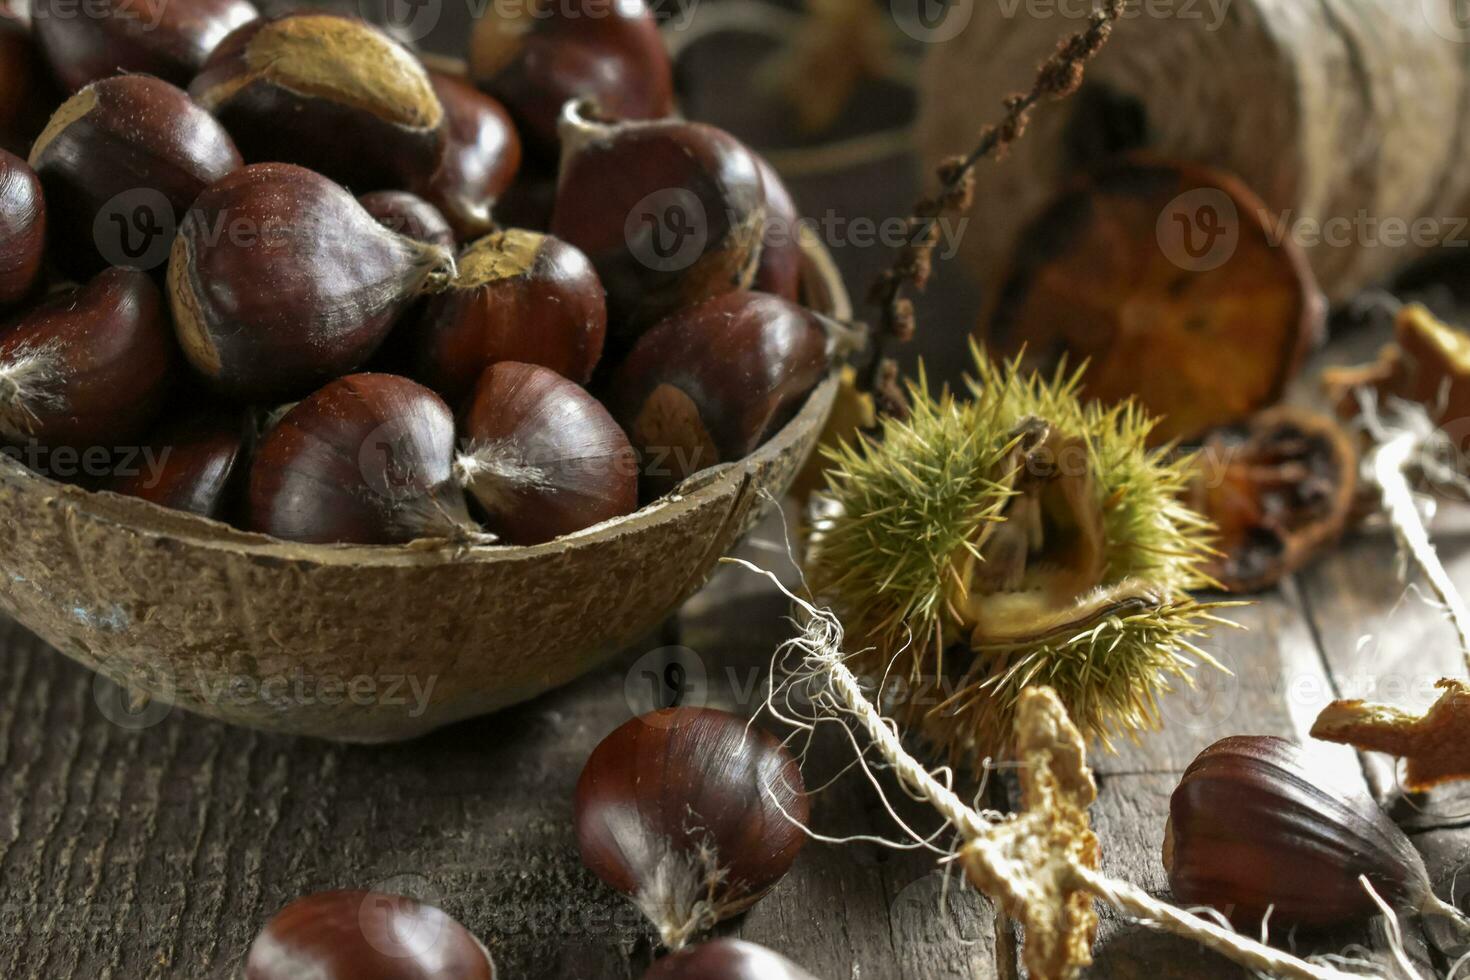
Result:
x=906 y=506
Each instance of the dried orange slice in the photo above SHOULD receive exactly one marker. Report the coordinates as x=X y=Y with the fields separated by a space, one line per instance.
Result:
x=1173 y=282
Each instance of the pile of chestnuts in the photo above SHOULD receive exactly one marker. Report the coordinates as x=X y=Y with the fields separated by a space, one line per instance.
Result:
x=343 y=297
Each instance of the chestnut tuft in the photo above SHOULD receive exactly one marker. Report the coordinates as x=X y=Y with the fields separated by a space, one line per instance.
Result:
x=482 y=156
x=328 y=92
x=369 y=459
x=779 y=272
x=711 y=383
x=517 y=296
x=22 y=230
x=726 y=959
x=109 y=37
x=88 y=367
x=669 y=212
x=544 y=457
x=692 y=814
x=535 y=56
x=358 y=935
x=28 y=93
x=410 y=215
x=279 y=281
x=191 y=465
x=121 y=162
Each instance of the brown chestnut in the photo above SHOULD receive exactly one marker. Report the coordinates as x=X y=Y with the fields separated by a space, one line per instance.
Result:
x=369 y=459
x=88 y=367
x=693 y=814
x=711 y=383
x=528 y=202
x=191 y=465
x=279 y=281
x=669 y=212
x=410 y=215
x=544 y=457
x=22 y=230
x=482 y=156
x=28 y=94
x=121 y=161
x=359 y=935
x=779 y=272
x=518 y=296
x=92 y=41
x=536 y=55
x=328 y=92
x=726 y=959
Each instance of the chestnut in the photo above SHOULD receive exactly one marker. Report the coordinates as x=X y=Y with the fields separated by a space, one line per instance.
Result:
x=22 y=230
x=536 y=55
x=279 y=281
x=779 y=272
x=482 y=156
x=369 y=459
x=528 y=202
x=517 y=296
x=88 y=367
x=693 y=814
x=544 y=457
x=110 y=37
x=410 y=215
x=28 y=94
x=726 y=959
x=711 y=383
x=360 y=935
x=121 y=161
x=191 y=465
x=328 y=92
x=669 y=212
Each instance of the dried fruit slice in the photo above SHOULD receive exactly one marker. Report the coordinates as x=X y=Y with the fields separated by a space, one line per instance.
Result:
x=1428 y=363
x=1279 y=488
x=1168 y=279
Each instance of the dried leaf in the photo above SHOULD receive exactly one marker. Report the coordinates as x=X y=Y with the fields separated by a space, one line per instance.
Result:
x=1436 y=744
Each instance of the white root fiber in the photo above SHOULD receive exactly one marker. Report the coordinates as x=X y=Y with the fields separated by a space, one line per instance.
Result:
x=29 y=379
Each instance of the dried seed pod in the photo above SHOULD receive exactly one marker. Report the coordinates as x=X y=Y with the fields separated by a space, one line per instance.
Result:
x=109 y=37
x=1167 y=280
x=410 y=215
x=192 y=465
x=711 y=383
x=356 y=935
x=369 y=459
x=88 y=367
x=28 y=93
x=779 y=272
x=544 y=457
x=121 y=162
x=517 y=296
x=670 y=213
x=535 y=56
x=22 y=230
x=726 y=959
x=482 y=156
x=328 y=92
x=689 y=812
x=279 y=281
x=1253 y=827
x=1279 y=489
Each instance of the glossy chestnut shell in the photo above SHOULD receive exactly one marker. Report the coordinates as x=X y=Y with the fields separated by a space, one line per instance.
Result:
x=726 y=959
x=369 y=459
x=192 y=465
x=1252 y=827
x=482 y=156
x=22 y=230
x=545 y=458
x=517 y=296
x=683 y=801
x=279 y=281
x=328 y=92
x=409 y=215
x=359 y=935
x=711 y=383
x=121 y=161
x=28 y=93
x=90 y=366
x=109 y=37
x=536 y=56
x=779 y=272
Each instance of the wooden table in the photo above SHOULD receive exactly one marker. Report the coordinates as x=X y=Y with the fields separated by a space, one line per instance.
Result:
x=127 y=855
